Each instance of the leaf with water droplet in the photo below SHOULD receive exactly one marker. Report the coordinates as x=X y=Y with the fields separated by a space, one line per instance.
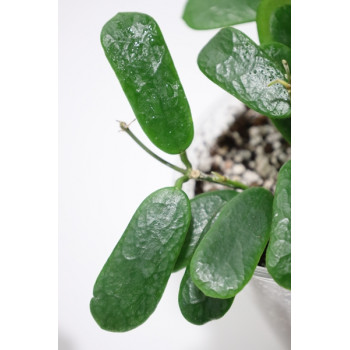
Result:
x=138 y=54
x=278 y=254
x=135 y=275
x=238 y=65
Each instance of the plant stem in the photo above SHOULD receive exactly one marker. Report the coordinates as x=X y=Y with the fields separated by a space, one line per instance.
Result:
x=222 y=180
x=188 y=173
x=185 y=160
x=179 y=182
x=125 y=128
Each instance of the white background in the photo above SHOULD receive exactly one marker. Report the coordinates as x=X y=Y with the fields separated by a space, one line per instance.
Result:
x=104 y=176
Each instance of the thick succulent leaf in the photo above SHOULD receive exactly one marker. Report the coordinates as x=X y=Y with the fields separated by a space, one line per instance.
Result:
x=209 y=14
x=278 y=52
x=134 y=277
x=284 y=127
x=196 y=307
x=274 y=21
x=136 y=50
x=238 y=65
x=278 y=255
x=228 y=254
x=204 y=209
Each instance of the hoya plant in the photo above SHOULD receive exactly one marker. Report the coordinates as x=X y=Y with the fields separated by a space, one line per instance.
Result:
x=218 y=237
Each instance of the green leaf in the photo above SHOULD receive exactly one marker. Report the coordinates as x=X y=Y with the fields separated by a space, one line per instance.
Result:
x=134 y=277
x=273 y=20
x=204 y=209
x=196 y=307
x=278 y=255
x=209 y=14
x=228 y=254
x=284 y=127
x=238 y=65
x=136 y=50
x=278 y=52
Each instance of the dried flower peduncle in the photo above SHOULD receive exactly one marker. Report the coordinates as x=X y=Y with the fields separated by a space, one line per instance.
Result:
x=124 y=126
x=285 y=84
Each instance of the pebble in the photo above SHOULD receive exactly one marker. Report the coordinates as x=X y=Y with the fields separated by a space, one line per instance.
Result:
x=263 y=166
x=276 y=145
x=237 y=137
x=255 y=161
x=250 y=177
x=254 y=131
x=228 y=164
x=256 y=140
x=273 y=137
x=238 y=169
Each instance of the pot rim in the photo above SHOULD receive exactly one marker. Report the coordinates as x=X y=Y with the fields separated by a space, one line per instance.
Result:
x=262 y=273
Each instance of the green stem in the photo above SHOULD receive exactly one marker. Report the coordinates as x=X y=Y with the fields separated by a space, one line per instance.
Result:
x=188 y=173
x=125 y=128
x=222 y=180
x=179 y=182
x=185 y=160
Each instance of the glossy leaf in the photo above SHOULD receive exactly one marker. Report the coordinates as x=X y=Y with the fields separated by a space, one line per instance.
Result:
x=274 y=21
x=278 y=52
x=278 y=255
x=284 y=127
x=238 y=65
x=204 y=209
x=228 y=254
x=196 y=307
x=137 y=52
x=209 y=14
x=134 y=277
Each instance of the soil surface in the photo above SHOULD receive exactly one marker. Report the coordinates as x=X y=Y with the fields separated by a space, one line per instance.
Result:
x=251 y=151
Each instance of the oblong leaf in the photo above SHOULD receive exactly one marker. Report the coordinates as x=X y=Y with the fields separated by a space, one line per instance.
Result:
x=273 y=21
x=209 y=14
x=204 y=209
x=228 y=254
x=134 y=277
x=196 y=307
x=278 y=254
x=137 y=52
x=238 y=65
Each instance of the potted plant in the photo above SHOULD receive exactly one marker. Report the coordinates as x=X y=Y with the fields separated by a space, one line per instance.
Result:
x=218 y=237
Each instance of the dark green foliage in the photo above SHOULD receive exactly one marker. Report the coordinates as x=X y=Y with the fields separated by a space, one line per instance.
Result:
x=204 y=208
x=228 y=254
x=223 y=242
x=134 y=277
x=278 y=255
x=278 y=52
x=238 y=65
x=137 y=52
x=274 y=21
x=196 y=307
